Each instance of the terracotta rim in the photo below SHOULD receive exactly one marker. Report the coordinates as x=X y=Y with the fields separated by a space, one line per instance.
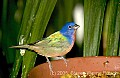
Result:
x=76 y=65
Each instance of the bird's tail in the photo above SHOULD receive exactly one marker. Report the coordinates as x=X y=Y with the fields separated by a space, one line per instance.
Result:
x=20 y=46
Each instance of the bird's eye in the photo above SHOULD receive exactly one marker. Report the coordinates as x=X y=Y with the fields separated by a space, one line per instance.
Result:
x=69 y=27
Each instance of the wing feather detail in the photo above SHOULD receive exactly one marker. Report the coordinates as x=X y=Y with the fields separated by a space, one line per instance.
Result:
x=53 y=45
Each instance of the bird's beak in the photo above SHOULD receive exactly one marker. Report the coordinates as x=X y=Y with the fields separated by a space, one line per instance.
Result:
x=76 y=26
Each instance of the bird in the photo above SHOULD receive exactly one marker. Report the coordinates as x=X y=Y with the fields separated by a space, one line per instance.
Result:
x=57 y=44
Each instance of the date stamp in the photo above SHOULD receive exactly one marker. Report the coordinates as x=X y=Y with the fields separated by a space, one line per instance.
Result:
x=58 y=73
x=64 y=72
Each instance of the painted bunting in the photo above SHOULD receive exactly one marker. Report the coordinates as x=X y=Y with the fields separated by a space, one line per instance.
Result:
x=56 y=45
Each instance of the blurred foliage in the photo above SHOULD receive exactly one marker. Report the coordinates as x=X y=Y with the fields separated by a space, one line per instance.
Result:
x=112 y=21
x=102 y=18
x=9 y=29
x=94 y=16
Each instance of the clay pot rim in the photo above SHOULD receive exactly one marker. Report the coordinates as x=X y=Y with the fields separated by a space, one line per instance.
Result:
x=77 y=64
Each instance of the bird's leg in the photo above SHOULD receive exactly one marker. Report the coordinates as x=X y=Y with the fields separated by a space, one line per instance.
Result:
x=61 y=57
x=50 y=66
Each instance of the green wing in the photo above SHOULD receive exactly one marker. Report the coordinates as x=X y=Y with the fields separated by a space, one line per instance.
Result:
x=54 y=40
x=55 y=43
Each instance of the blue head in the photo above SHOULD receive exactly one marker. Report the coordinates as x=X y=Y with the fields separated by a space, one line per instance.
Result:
x=68 y=30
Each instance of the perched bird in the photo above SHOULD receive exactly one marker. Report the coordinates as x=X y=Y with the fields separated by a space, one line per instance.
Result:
x=56 y=45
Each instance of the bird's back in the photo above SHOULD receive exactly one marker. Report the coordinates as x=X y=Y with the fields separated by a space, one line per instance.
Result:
x=54 y=45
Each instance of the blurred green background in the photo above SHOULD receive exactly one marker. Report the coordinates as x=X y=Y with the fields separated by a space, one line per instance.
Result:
x=21 y=21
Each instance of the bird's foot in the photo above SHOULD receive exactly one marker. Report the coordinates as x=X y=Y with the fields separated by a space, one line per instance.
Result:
x=65 y=60
x=50 y=65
